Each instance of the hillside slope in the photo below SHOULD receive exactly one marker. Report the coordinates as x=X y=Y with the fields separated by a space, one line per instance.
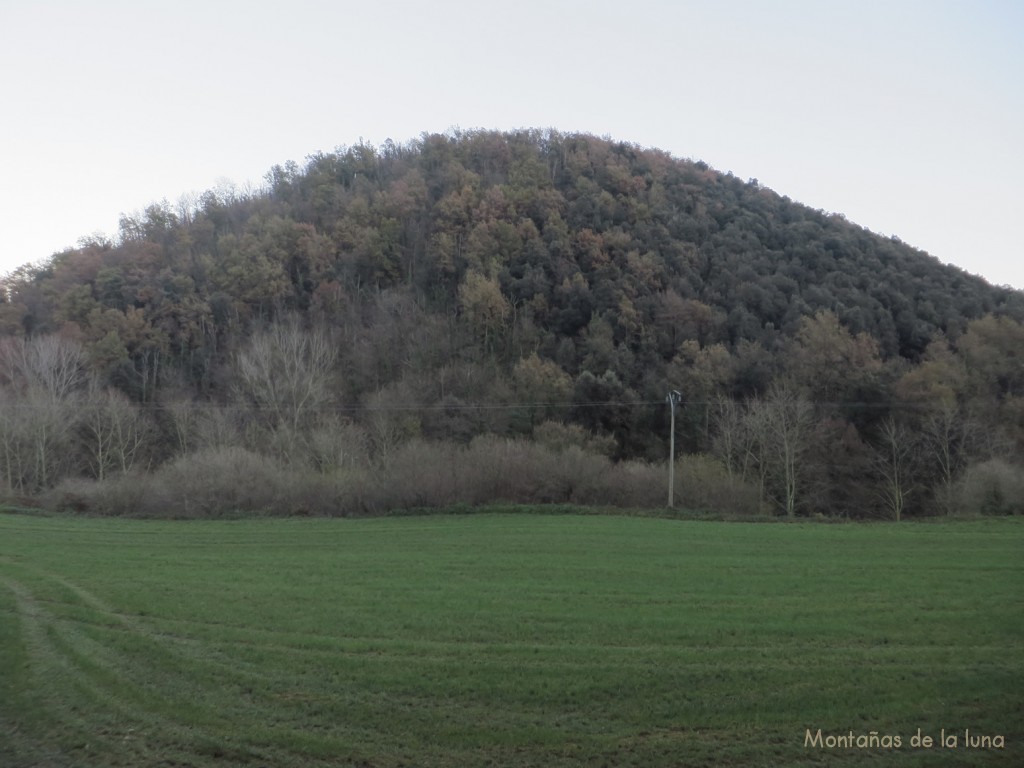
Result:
x=493 y=282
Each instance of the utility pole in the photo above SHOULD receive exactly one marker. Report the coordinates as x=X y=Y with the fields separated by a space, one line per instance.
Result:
x=673 y=399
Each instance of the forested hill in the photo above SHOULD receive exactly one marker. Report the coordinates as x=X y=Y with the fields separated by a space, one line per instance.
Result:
x=508 y=270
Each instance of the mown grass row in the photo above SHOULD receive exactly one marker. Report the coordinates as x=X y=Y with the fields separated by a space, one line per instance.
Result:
x=503 y=639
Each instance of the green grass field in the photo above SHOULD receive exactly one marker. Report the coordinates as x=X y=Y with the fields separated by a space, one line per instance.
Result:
x=506 y=640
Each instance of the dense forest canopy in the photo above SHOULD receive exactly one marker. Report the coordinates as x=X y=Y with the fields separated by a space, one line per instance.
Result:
x=527 y=286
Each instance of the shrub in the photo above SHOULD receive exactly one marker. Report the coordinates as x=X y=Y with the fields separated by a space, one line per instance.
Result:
x=703 y=482
x=218 y=480
x=558 y=437
x=117 y=495
x=993 y=487
x=490 y=468
x=221 y=480
x=417 y=474
x=626 y=484
x=338 y=444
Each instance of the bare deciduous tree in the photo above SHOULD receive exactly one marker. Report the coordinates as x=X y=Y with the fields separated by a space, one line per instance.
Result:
x=893 y=461
x=391 y=420
x=47 y=438
x=113 y=432
x=41 y=377
x=945 y=434
x=770 y=437
x=285 y=374
x=183 y=418
x=49 y=364
x=735 y=439
x=788 y=421
x=13 y=434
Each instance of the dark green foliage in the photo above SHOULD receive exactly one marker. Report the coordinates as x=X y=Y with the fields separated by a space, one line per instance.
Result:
x=437 y=266
x=579 y=224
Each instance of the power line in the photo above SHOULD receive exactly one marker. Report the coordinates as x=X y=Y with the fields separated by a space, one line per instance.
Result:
x=342 y=408
x=441 y=406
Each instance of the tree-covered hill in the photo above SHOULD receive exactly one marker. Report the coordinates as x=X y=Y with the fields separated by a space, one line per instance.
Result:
x=506 y=283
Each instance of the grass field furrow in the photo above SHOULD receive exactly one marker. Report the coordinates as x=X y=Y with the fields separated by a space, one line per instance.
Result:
x=105 y=703
x=55 y=684
x=504 y=639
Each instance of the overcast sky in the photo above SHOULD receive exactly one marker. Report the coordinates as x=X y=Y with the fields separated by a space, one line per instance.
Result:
x=906 y=116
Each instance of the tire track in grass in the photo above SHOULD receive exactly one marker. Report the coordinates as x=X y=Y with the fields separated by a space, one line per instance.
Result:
x=91 y=704
x=19 y=746
x=304 y=691
x=252 y=683
x=110 y=677
x=61 y=724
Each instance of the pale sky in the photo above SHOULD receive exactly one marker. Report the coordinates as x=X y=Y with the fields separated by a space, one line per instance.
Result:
x=907 y=116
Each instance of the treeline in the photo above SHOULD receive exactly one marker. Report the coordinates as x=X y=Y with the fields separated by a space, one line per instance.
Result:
x=535 y=291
